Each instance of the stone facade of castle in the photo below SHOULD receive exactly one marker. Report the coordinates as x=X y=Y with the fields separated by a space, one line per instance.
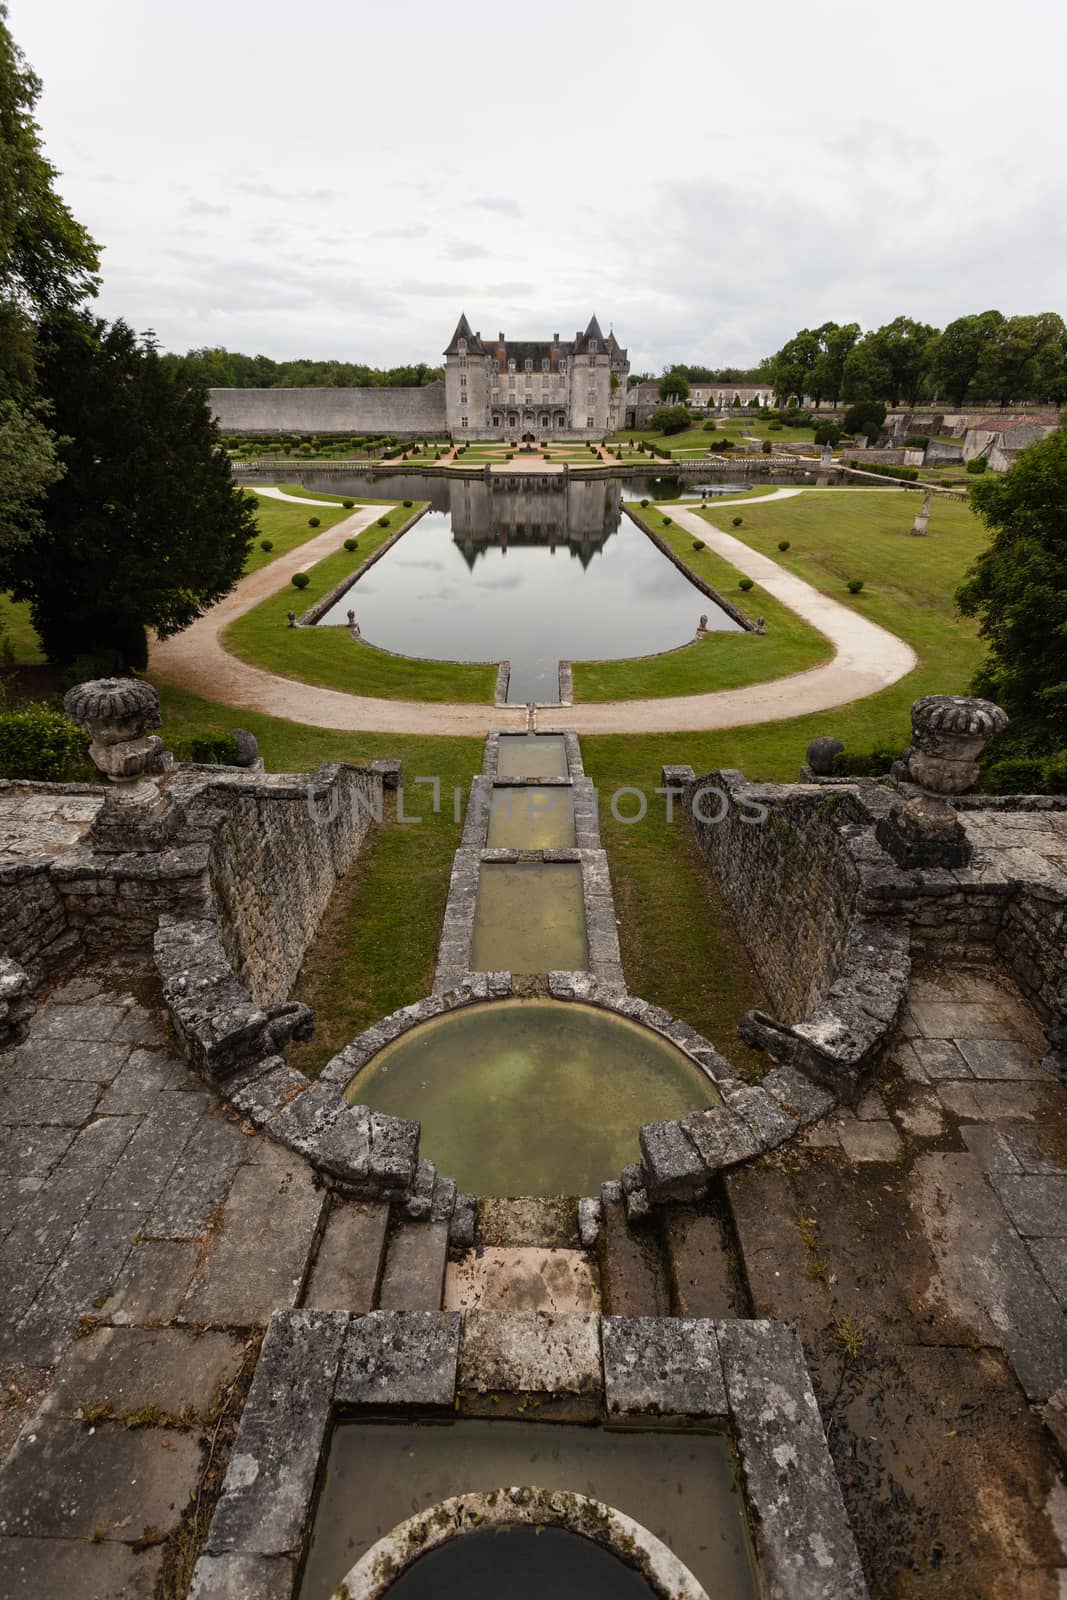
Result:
x=540 y=389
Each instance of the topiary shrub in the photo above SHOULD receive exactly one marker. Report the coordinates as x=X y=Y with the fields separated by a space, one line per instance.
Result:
x=313 y=522
x=667 y=521
x=39 y=743
x=698 y=544
x=766 y=447
x=300 y=580
x=266 y=544
x=351 y=544
x=348 y=504
x=383 y=522
x=783 y=544
x=738 y=521
x=745 y=584
x=408 y=504
x=855 y=585
x=644 y=502
x=979 y=464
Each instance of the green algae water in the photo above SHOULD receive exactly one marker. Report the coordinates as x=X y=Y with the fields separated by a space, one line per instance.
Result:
x=531 y=816
x=531 y=755
x=680 y=1486
x=532 y=1097
x=529 y=917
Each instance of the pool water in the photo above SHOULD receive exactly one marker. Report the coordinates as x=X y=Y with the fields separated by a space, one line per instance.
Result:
x=531 y=573
x=680 y=1486
x=531 y=755
x=531 y=816
x=532 y=1097
x=524 y=1564
x=530 y=917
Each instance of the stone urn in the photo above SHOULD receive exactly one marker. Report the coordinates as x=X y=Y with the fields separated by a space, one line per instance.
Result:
x=117 y=713
x=949 y=733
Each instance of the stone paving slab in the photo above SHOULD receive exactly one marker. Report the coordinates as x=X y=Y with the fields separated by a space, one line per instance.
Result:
x=153 y=1282
x=141 y=1173
x=400 y=1358
x=46 y=1221
x=1036 y=1203
x=101 y=1142
x=170 y=1369
x=347 y=1267
x=698 y=1263
x=1000 y=1058
x=527 y=1353
x=31 y=1148
x=985 y=1275
x=94 y=1019
x=76 y=1569
x=662 y=1366
x=93 y=1061
x=41 y=1102
x=242 y=1577
x=633 y=1280
x=137 y=1087
x=65 y=1480
x=1050 y=1256
x=522 y=1278
x=259 y=1256
x=964 y=1020
x=199 y=1182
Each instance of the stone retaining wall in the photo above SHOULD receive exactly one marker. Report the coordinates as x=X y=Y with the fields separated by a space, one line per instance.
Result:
x=416 y=412
x=276 y=855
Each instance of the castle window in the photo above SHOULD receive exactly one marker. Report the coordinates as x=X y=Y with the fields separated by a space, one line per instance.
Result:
x=563 y=366
x=592 y=347
x=462 y=347
x=590 y=422
x=463 y=421
x=496 y=419
x=545 y=365
x=528 y=365
x=511 y=364
x=462 y=362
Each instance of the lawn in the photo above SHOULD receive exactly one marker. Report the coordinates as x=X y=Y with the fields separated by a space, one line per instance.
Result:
x=286 y=526
x=330 y=658
x=719 y=660
x=18 y=632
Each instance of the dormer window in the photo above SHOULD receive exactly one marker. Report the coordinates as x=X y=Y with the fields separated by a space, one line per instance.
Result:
x=545 y=366
x=511 y=364
x=563 y=366
x=529 y=366
x=462 y=347
x=592 y=347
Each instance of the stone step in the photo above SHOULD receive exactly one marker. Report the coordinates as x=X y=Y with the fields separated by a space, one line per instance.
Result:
x=704 y=1277
x=349 y=1262
x=414 y=1275
x=633 y=1282
x=549 y=1223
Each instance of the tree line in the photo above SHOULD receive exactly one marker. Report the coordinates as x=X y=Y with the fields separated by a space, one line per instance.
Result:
x=982 y=358
x=218 y=368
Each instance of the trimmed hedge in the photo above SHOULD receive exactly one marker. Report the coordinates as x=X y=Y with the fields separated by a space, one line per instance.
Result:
x=208 y=748
x=40 y=743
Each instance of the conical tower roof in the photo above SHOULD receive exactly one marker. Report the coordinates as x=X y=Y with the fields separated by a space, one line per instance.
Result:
x=463 y=331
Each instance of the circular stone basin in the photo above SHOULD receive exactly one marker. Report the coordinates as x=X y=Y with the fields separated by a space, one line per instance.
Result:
x=522 y=1563
x=532 y=1097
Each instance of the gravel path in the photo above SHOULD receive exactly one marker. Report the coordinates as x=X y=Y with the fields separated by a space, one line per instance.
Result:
x=867 y=658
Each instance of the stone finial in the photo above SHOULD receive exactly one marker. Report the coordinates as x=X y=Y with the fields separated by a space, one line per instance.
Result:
x=820 y=755
x=117 y=713
x=949 y=733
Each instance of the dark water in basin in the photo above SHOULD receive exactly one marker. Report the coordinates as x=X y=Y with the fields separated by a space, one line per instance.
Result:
x=522 y=1563
x=529 y=571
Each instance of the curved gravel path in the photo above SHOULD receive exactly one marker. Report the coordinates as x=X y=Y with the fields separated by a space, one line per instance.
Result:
x=867 y=658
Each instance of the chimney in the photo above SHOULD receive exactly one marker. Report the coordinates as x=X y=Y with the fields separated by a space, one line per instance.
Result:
x=555 y=338
x=500 y=336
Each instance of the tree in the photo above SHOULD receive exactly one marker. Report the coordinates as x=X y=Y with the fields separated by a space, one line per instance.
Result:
x=828 y=372
x=866 y=373
x=669 y=419
x=958 y=354
x=902 y=346
x=1017 y=588
x=793 y=365
x=1024 y=355
x=47 y=260
x=865 y=417
x=673 y=388
x=145 y=527
x=29 y=465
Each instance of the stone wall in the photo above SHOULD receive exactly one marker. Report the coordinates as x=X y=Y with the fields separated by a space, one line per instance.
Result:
x=35 y=930
x=277 y=852
x=790 y=882
x=417 y=412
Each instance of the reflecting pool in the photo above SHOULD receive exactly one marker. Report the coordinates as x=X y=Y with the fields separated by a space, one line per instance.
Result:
x=529 y=917
x=532 y=1097
x=532 y=571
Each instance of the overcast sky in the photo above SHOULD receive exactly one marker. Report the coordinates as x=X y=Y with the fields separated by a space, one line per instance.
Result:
x=342 y=179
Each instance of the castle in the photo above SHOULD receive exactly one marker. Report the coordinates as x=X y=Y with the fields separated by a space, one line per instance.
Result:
x=536 y=389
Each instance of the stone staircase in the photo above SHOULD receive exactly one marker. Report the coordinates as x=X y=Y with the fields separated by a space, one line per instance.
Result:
x=557 y=1255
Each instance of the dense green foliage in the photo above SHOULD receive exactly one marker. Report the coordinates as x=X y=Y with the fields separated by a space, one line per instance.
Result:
x=39 y=743
x=144 y=528
x=669 y=420
x=983 y=357
x=227 y=369
x=1017 y=587
x=673 y=388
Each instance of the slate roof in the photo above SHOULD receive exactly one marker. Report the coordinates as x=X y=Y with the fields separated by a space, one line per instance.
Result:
x=464 y=331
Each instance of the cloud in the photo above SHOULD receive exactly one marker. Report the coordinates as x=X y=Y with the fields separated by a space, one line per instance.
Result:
x=410 y=230
x=509 y=291
x=464 y=250
x=503 y=204
x=268 y=191
x=204 y=208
